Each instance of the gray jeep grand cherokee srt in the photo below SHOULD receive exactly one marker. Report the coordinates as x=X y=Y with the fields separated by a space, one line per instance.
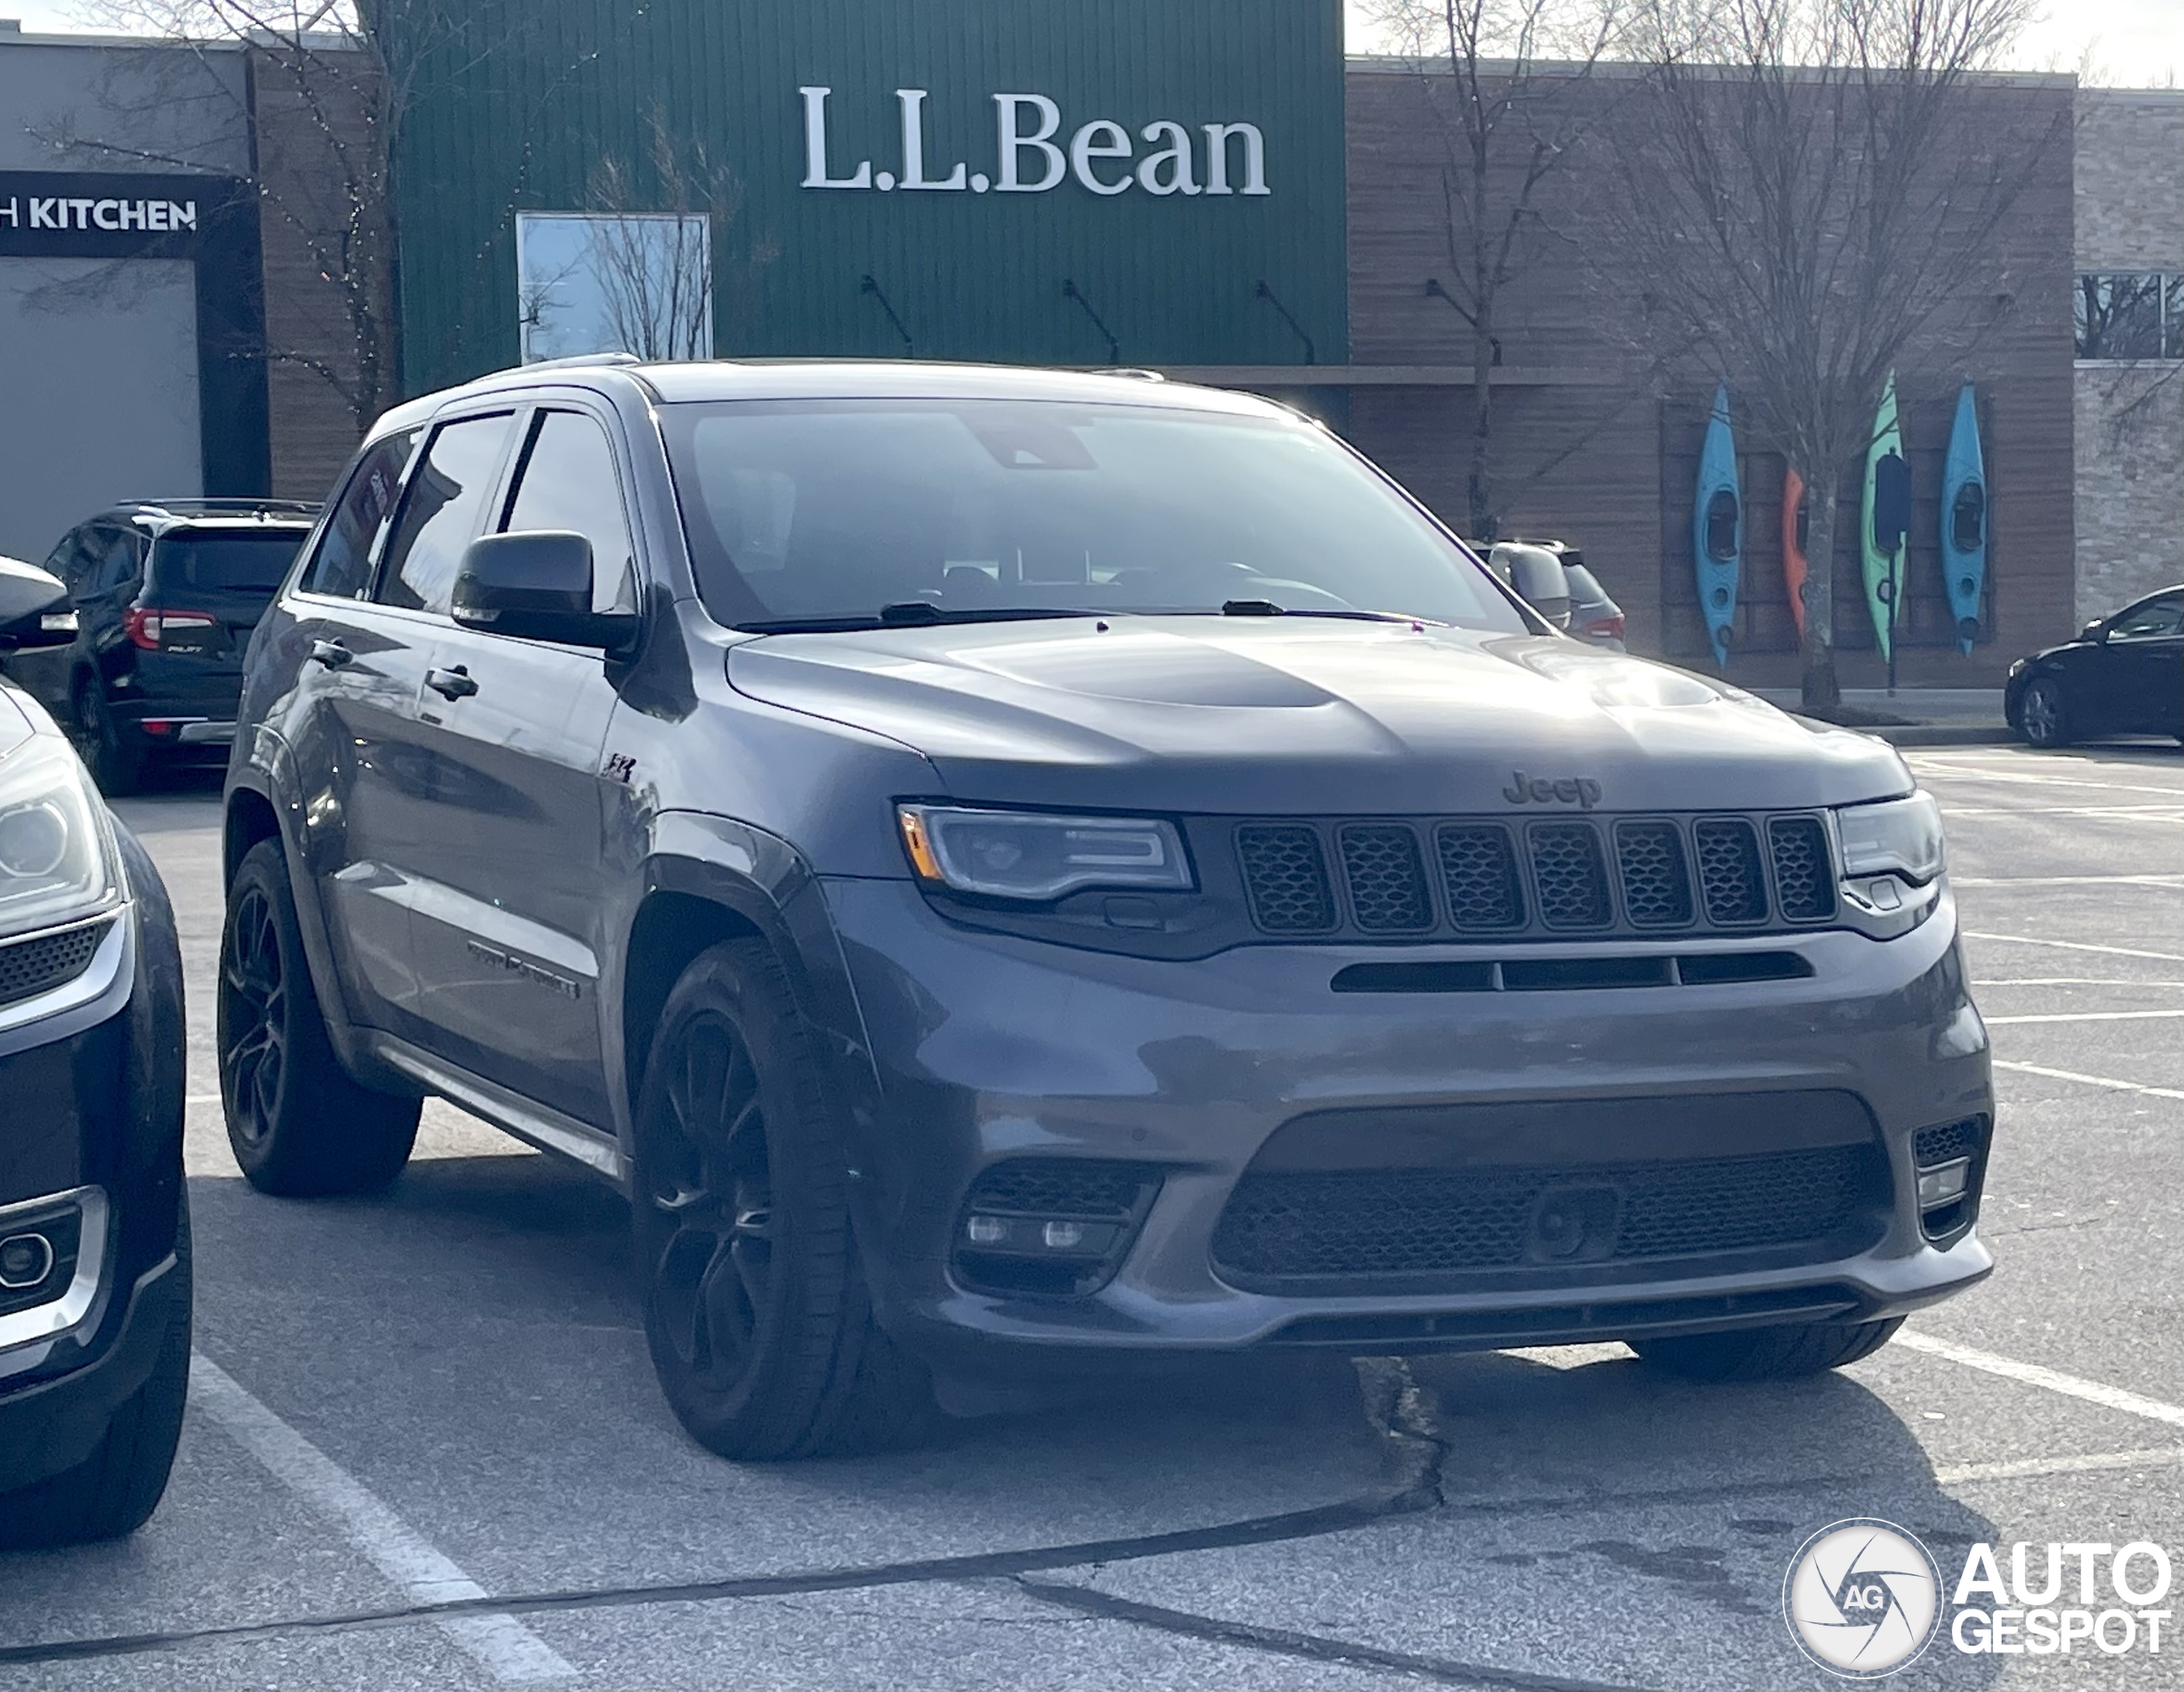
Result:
x=1019 y=871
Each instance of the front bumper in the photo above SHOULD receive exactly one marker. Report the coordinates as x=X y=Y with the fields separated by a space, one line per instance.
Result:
x=986 y=1049
x=91 y=1138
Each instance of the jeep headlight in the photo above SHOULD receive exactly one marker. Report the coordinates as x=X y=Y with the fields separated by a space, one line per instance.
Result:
x=56 y=855
x=1898 y=836
x=1028 y=855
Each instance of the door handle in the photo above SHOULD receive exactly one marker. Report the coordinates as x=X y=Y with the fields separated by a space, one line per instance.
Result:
x=454 y=683
x=332 y=654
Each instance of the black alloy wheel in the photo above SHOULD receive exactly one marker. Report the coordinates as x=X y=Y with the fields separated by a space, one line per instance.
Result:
x=709 y=1193
x=757 y=1313
x=298 y=1123
x=2040 y=714
x=253 y=1017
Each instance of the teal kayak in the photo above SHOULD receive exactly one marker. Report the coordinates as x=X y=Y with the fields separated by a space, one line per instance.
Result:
x=1717 y=529
x=1964 y=520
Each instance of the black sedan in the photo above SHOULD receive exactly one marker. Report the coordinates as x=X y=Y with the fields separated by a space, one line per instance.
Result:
x=94 y=1265
x=2123 y=675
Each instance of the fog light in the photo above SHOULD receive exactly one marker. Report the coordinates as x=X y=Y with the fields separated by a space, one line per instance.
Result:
x=1943 y=1186
x=25 y=1260
x=1062 y=1236
x=987 y=1230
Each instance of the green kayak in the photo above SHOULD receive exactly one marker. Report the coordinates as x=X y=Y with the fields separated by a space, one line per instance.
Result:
x=1886 y=511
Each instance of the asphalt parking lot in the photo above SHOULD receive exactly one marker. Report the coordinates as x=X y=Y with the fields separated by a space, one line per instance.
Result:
x=425 y=1448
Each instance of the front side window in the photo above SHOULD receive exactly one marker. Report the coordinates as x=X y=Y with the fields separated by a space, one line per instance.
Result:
x=600 y=283
x=442 y=513
x=567 y=482
x=803 y=511
x=342 y=565
x=117 y=552
x=2150 y=620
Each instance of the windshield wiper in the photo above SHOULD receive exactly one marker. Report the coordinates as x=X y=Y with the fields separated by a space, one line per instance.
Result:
x=911 y=614
x=1267 y=608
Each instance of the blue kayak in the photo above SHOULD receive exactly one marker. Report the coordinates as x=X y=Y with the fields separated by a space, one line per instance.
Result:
x=1717 y=529
x=1964 y=520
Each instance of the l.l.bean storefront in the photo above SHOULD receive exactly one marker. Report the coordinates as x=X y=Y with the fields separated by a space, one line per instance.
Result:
x=1204 y=187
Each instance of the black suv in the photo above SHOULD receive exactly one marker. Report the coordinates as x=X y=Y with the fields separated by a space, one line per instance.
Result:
x=166 y=594
x=1018 y=871
x=95 y=1258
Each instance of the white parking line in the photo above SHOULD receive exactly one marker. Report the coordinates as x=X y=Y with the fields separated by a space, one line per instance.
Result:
x=2162 y=812
x=2036 y=1469
x=2079 y=946
x=2073 y=981
x=2090 y=1080
x=2067 y=880
x=500 y=1645
x=2085 y=1016
x=2039 y=1375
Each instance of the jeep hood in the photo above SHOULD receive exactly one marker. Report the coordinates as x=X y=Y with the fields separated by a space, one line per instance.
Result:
x=1253 y=715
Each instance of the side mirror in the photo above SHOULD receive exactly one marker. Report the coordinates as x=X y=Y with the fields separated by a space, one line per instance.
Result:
x=2095 y=630
x=536 y=585
x=34 y=608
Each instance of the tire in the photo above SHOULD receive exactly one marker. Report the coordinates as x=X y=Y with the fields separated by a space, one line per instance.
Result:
x=2041 y=718
x=113 y=1492
x=300 y=1126
x=115 y=764
x=1767 y=1353
x=755 y=1310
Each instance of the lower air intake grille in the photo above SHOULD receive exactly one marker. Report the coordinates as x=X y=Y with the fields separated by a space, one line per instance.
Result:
x=1948 y=1142
x=1397 y=1224
x=30 y=967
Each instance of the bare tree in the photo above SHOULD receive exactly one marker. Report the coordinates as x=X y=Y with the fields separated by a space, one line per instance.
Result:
x=1808 y=197
x=1500 y=80
x=654 y=253
x=333 y=82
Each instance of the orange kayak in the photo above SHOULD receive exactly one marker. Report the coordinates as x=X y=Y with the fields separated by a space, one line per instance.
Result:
x=1794 y=519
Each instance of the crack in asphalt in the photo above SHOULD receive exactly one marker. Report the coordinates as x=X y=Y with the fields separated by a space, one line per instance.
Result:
x=1313 y=1647
x=1294 y=1525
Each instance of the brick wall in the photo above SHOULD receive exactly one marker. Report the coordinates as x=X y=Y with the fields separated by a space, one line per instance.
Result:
x=310 y=113
x=1593 y=448
x=2130 y=418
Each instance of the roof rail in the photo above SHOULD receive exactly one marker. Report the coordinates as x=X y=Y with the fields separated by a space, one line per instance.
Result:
x=583 y=360
x=221 y=507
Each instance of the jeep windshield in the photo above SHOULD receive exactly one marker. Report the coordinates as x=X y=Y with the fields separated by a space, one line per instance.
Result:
x=863 y=512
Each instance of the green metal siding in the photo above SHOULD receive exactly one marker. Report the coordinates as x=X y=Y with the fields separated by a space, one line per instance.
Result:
x=517 y=115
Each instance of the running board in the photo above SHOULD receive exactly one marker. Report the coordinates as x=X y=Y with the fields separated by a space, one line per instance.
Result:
x=532 y=1122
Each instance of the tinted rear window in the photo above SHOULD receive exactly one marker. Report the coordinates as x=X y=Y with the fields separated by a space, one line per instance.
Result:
x=247 y=563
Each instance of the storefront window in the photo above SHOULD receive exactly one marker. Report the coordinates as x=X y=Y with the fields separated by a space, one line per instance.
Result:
x=639 y=284
x=2130 y=315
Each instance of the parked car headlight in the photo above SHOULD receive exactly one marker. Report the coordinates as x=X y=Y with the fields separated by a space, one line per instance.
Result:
x=1898 y=836
x=1025 y=855
x=56 y=855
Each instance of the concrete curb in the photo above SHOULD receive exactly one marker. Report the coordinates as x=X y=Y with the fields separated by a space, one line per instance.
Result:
x=1946 y=735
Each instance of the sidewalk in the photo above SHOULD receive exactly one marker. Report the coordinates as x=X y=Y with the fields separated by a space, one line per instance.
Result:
x=1925 y=716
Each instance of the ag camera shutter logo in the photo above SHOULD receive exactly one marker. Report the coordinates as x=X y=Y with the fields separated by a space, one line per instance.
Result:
x=1862 y=1598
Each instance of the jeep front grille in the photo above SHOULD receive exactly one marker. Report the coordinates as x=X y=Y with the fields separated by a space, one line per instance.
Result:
x=1537 y=879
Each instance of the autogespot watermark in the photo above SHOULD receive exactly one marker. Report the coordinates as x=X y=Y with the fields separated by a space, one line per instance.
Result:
x=1864 y=1598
